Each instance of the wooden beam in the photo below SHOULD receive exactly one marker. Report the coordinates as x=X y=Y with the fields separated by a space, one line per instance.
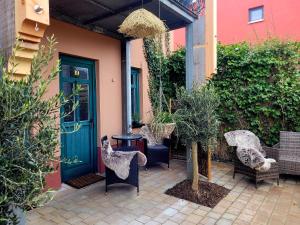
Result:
x=26 y=20
x=115 y=12
x=97 y=29
x=100 y=5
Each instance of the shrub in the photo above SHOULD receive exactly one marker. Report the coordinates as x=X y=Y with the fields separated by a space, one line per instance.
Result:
x=197 y=121
x=29 y=136
x=259 y=88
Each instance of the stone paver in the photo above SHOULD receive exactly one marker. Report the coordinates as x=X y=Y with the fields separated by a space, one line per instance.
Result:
x=269 y=204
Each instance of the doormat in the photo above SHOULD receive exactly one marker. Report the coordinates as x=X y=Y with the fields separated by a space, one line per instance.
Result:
x=85 y=180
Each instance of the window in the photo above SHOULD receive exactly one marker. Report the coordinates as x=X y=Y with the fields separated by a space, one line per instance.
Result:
x=256 y=14
x=135 y=95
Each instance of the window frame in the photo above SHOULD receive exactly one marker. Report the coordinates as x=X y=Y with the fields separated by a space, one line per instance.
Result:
x=254 y=8
x=135 y=84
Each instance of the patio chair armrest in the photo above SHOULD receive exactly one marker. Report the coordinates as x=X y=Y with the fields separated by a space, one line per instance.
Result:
x=272 y=152
x=276 y=146
x=294 y=153
x=167 y=142
x=145 y=141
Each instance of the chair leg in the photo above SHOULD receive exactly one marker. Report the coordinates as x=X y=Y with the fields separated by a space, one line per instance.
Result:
x=278 y=181
x=256 y=184
x=233 y=176
x=138 y=190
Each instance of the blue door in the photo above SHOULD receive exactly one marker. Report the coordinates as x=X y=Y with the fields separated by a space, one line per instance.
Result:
x=78 y=145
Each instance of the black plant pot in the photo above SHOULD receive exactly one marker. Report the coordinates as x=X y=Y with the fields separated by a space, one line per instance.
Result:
x=136 y=124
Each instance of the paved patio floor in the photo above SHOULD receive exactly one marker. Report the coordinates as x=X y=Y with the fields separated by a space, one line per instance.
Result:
x=269 y=204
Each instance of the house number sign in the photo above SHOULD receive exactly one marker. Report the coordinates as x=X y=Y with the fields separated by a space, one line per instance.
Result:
x=76 y=73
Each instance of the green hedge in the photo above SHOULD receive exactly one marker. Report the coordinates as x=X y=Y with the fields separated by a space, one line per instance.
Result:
x=259 y=88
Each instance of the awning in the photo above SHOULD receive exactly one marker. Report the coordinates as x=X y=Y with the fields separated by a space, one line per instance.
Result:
x=105 y=16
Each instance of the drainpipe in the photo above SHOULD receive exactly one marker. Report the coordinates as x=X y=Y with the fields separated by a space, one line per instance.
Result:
x=126 y=86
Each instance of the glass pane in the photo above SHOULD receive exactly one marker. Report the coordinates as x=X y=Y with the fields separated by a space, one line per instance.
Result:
x=134 y=96
x=80 y=72
x=84 y=102
x=255 y=14
x=133 y=102
x=65 y=70
x=69 y=115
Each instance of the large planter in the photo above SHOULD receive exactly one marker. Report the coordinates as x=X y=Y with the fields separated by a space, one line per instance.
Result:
x=163 y=130
x=20 y=214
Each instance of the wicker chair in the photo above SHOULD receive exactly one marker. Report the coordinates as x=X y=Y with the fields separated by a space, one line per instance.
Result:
x=157 y=153
x=287 y=153
x=272 y=173
x=245 y=138
x=132 y=179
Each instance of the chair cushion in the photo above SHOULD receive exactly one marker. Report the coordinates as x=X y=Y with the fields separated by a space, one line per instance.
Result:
x=157 y=147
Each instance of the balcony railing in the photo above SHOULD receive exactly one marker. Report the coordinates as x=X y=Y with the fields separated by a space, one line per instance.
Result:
x=195 y=6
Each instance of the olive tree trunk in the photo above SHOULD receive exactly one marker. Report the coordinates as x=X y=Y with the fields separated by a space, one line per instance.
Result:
x=209 y=165
x=189 y=161
x=195 y=185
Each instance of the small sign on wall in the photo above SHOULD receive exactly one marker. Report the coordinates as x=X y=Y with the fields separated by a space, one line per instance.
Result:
x=75 y=72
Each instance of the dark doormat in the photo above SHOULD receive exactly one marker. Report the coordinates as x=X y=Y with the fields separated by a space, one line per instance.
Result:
x=209 y=193
x=85 y=180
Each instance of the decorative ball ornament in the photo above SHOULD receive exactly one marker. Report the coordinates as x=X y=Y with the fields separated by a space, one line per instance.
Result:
x=141 y=23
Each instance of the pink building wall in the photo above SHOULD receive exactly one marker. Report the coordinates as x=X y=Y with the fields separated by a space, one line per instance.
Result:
x=281 y=20
x=106 y=52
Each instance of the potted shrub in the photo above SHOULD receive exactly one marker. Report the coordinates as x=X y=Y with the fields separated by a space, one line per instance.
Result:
x=136 y=122
x=162 y=125
x=29 y=137
x=197 y=122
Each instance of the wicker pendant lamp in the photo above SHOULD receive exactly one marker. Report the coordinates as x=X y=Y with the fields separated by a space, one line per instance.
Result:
x=141 y=23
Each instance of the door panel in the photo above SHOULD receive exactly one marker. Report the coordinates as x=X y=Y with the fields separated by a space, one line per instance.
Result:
x=78 y=145
x=84 y=102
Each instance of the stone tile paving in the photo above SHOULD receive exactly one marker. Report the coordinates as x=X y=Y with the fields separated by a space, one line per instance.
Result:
x=269 y=204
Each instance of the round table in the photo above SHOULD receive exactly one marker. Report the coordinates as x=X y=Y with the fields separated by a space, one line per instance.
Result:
x=127 y=138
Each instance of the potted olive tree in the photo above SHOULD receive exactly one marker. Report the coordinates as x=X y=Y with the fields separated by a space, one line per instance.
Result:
x=29 y=136
x=197 y=122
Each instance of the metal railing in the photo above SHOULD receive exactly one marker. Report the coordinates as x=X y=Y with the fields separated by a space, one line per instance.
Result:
x=195 y=6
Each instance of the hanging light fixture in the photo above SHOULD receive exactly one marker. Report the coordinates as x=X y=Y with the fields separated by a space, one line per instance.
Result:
x=141 y=23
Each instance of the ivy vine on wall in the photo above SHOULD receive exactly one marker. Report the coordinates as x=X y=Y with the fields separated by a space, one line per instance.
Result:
x=259 y=88
x=171 y=67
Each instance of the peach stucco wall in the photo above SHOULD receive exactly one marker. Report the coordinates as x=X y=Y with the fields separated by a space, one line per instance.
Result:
x=106 y=52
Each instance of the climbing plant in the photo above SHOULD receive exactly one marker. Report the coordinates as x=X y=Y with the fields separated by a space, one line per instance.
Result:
x=157 y=68
x=171 y=67
x=259 y=88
